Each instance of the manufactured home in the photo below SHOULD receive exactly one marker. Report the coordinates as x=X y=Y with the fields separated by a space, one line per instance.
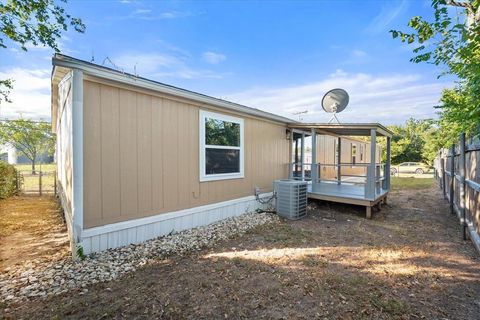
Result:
x=138 y=159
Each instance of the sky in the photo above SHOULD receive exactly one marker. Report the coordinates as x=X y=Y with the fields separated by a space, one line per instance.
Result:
x=278 y=56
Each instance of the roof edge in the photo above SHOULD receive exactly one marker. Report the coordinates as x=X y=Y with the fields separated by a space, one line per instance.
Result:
x=60 y=60
x=384 y=131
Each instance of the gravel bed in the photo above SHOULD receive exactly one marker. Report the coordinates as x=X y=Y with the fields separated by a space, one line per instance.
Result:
x=62 y=274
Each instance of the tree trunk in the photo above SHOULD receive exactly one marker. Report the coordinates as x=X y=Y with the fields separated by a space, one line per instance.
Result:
x=33 y=167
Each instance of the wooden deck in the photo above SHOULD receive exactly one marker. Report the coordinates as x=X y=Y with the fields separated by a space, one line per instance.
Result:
x=346 y=193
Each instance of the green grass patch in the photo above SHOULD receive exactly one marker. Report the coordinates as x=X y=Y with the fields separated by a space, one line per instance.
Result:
x=389 y=305
x=50 y=167
x=411 y=183
x=30 y=182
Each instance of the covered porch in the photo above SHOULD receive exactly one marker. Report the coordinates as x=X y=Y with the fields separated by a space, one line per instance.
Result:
x=358 y=178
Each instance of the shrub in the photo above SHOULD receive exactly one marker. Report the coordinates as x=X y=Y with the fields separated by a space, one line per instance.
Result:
x=8 y=180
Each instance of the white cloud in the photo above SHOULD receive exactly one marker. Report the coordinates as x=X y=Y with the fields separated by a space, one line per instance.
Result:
x=213 y=57
x=150 y=15
x=358 y=53
x=30 y=95
x=142 y=11
x=175 y=14
x=387 y=99
x=388 y=12
x=159 y=65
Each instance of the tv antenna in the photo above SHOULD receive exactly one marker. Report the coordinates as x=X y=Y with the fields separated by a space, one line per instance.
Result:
x=107 y=59
x=299 y=114
x=335 y=101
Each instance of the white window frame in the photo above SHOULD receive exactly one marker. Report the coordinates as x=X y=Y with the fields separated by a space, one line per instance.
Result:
x=220 y=176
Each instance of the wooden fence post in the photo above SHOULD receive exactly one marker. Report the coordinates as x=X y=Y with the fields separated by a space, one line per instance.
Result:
x=452 y=178
x=18 y=182
x=462 y=170
x=40 y=183
x=443 y=181
x=55 y=182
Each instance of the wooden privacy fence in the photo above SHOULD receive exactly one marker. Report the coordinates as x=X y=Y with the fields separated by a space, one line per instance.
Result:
x=457 y=171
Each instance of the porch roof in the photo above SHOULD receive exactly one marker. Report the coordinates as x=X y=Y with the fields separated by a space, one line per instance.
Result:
x=344 y=129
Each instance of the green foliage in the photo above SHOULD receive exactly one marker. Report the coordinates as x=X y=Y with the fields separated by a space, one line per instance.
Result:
x=8 y=180
x=222 y=133
x=452 y=42
x=5 y=87
x=30 y=138
x=35 y=22
x=80 y=254
x=414 y=141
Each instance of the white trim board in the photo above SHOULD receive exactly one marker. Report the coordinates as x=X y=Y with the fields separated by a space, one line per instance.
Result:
x=77 y=154
x=139 y=230
x=203 y=115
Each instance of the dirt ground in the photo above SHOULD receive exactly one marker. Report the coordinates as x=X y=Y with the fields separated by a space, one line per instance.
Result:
x=31 y=228
x=408 y=262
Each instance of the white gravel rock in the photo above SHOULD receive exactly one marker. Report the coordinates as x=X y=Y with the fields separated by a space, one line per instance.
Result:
x=42 y=279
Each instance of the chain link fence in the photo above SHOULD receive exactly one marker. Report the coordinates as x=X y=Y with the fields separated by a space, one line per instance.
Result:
x=38 y=182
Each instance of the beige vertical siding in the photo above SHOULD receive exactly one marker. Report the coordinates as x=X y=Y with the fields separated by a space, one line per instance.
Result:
x=141 y=155
x=326 y=155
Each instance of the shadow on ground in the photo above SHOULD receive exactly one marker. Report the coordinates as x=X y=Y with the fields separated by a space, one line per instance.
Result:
x=407 y=262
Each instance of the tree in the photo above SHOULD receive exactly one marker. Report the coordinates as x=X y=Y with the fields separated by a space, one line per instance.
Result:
x=416 y=140
x=408 y=140
x=30 y=138
x=454 y=44
x=36 y=22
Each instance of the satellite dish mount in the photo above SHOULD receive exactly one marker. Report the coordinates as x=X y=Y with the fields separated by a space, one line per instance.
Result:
x=335 y=101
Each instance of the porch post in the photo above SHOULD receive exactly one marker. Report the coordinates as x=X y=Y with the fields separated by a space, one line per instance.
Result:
x=314 y=170
x=387 y=165
x=290 y=153
x=296 y=154
x=339 y=160
x=370 y=187
x=302 y=155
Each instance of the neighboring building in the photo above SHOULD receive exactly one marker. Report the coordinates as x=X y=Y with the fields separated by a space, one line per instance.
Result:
x=12 y=156
x=137 y=159
x=8 y=154
x=41 y=158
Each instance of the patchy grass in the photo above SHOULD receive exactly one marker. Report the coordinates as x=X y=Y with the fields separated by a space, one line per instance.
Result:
x=411 y=183
x=49 y=167
x=389 y=305
x=408 y=262
x=31 y=182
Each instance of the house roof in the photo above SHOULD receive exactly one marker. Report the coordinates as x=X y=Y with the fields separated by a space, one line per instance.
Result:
x=345 y=129
x=62 y=64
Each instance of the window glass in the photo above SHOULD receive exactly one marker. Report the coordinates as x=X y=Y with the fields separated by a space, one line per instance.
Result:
x=222 y=133
x=221 y=147
x=222 y=161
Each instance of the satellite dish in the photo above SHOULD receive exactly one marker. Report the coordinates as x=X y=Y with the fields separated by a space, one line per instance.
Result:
x=335 y=101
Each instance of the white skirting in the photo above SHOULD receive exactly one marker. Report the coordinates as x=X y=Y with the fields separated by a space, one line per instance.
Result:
x=135 y=231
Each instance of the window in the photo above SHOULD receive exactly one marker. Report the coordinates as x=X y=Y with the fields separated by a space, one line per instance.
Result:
x=221 y=147
x=354 y=154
